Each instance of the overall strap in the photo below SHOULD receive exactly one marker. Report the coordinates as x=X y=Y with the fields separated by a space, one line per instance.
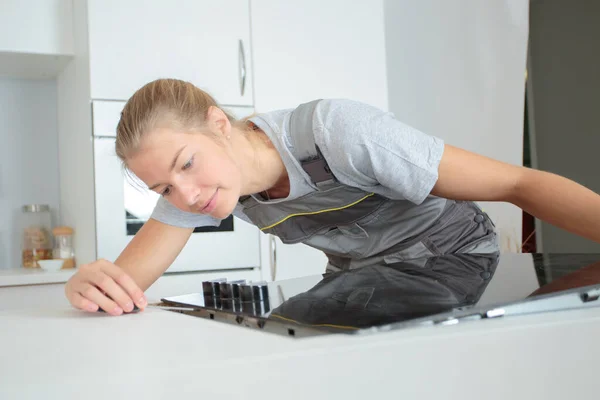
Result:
x=308 y=153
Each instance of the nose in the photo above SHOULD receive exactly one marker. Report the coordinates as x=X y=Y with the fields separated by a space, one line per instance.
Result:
x=189 y=194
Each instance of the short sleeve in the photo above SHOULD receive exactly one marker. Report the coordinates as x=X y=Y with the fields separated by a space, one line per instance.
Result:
x=369 y=148
x=168 y=214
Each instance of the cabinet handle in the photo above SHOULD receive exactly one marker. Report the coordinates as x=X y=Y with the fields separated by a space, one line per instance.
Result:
x=273 y=256
x=242 y=67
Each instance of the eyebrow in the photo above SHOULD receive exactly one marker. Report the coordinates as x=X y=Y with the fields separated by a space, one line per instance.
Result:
x=171 y=169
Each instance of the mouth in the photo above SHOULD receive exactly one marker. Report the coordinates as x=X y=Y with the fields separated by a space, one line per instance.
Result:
x=211 y=204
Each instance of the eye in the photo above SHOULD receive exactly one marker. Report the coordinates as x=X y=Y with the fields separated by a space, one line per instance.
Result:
x=188 y=164
x=166 y=191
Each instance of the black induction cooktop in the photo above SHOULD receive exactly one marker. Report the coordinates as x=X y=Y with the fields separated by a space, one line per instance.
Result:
x=439 y=290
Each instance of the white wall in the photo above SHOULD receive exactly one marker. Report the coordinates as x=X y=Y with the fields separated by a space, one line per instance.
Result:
x=28 y=157
x=565 y=57
x=456 y=70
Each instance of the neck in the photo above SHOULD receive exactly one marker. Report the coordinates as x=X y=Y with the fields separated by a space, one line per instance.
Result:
x=280 y=189
x=261 y=166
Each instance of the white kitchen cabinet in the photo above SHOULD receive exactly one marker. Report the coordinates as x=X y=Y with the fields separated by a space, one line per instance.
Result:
x=136 y=41
x=308 y=50
x=304 y=50
x=36 y=38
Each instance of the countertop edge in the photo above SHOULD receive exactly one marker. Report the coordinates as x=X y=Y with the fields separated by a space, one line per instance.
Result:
x=22 y=277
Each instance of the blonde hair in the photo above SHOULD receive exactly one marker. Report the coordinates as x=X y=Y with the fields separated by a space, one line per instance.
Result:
x=163 y=103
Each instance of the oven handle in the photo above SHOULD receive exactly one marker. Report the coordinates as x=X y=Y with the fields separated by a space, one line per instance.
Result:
x=273 y=257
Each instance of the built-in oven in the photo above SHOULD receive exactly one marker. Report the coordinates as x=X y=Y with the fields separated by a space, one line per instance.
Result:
x=123 y=206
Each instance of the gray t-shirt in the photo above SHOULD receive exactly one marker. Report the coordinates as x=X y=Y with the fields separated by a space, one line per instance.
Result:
x=364 y=146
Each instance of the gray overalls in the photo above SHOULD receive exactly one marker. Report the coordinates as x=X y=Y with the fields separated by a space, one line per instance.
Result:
x=355 y=228
x=383 y=294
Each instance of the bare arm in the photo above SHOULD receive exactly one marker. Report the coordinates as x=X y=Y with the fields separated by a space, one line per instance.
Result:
x=116 y=287
x=151 y=251
x=568 y=205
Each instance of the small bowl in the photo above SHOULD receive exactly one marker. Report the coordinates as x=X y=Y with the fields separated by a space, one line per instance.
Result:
x=51 y=265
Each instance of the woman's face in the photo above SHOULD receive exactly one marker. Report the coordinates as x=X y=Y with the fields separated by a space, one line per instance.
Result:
x=193 y=171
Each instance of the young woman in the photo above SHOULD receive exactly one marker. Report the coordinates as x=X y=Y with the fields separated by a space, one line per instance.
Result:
x=338 y=175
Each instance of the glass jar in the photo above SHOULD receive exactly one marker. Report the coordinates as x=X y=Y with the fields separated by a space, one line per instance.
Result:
x=63 y=246
x=37 y=236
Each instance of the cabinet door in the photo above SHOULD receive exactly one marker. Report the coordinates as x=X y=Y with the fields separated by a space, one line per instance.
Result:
x=310 y=49
x=136 y=41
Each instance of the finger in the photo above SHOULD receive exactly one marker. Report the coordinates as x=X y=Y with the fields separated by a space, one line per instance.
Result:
x=78 y=301
x=125 y=281
x=112 y=290
x=94 y=295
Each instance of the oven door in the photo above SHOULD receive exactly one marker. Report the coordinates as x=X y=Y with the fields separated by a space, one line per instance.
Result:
x=122 y=207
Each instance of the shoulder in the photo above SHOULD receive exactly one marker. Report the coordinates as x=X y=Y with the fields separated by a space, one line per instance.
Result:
x=345 y=124
x=327 y=110
x=339 y=109
x=343 y=105
x=349 y=122
x=346 y=108
x=369 y=147
x=345 y=130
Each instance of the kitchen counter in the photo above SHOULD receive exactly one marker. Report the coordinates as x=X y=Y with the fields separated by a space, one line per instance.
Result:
x=158 y=354
x=33 y=276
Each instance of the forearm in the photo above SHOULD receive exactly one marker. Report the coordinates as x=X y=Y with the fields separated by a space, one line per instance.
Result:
x=559 y=201
x=152 y=250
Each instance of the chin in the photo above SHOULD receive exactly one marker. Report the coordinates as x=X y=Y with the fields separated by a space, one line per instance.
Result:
x=224 y=210
x=218 y=214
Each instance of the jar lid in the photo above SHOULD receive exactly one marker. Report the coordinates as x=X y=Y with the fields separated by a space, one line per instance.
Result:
x=36 y=207
x=62 y=230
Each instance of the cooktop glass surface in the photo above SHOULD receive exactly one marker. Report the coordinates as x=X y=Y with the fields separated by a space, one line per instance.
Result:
x=438 y=290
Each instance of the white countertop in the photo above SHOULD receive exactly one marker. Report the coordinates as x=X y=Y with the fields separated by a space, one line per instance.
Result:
x=68 y=354
x=33 y=276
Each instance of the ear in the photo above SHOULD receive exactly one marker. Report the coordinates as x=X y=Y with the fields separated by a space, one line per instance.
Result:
x=217 y=121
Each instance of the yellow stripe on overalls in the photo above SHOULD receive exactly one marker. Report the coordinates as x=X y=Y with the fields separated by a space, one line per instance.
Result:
x=315 y=212
x=352 y=328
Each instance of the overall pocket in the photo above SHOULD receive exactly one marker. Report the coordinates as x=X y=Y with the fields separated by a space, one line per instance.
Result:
x=348 y=240
x=484 y=245
x=417 y=250
x=469 y=230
